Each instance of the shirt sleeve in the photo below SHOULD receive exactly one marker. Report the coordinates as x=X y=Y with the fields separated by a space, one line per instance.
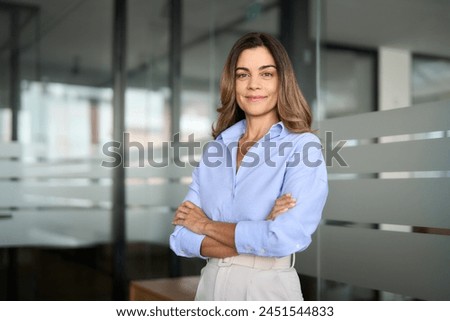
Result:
x=183 y=241
x=291 y=231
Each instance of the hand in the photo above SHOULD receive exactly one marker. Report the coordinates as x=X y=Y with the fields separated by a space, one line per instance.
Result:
x=282 y=204
x=192 y=217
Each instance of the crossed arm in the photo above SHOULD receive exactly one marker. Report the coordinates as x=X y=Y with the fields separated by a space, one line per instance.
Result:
x=219 y=238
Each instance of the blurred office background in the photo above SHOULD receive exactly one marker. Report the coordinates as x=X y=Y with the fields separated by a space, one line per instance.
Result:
x=376 y=73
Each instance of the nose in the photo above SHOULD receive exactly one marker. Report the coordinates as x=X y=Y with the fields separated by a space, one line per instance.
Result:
x=253 y=83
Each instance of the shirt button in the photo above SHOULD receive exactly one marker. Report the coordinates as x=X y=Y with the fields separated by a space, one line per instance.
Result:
x=297 y=245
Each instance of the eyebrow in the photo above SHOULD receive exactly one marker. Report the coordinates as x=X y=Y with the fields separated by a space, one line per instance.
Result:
x=260 y=68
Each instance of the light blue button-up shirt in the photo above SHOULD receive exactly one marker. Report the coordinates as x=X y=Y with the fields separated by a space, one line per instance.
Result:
x=281 y=162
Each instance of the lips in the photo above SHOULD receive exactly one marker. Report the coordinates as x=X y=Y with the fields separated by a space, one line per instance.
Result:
x=254 y=99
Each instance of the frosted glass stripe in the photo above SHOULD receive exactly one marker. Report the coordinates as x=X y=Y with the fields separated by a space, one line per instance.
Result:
x=423 y=155
x=87 y=169
x=10 y=169
x=415 y=202
x=415 y=119
x=156 y=195
x=412 y=264
x=172 y=171
x=43 y=194
x=81 y=227
x=11 y=194
x=94 y=170
x=10 y=149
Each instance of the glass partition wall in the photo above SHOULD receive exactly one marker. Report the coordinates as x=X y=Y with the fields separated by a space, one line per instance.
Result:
x=384 y=112
x=56 y=206
x=359 y=63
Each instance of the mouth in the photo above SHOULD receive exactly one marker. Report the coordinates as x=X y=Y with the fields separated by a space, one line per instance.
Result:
x=255 y=98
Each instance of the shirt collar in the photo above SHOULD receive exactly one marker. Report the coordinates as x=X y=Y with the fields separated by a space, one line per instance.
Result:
x=233 y=133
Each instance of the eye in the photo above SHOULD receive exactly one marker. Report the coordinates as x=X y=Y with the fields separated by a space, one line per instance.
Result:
x=267 y=75
x=242 y=75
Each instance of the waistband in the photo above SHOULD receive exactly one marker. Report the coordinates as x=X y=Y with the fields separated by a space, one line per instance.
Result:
x=256 y=262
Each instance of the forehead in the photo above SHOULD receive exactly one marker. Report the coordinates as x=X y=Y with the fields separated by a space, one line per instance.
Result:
x=255 y=58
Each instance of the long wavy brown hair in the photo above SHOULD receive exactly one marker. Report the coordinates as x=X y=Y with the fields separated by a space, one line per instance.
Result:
x=292 y=108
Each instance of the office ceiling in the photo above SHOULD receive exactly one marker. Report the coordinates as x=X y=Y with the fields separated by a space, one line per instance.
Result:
x=76 y=34
x=421 y=26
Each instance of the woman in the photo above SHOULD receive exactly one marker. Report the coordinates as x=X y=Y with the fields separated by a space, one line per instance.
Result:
x=260 y=188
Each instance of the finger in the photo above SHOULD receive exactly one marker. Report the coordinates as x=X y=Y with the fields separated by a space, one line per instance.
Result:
x=179 y=223
x=196 y=211
x=286 y=202
x=277 y=210
x=177 y=220
x=183 y=209
x=181 y=216
x=284 y=199
x=287 y=195
x=189 y=204
x=283 y=207
x=275 y=214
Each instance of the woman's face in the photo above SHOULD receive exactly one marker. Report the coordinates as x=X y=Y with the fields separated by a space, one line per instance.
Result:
x=257 y=82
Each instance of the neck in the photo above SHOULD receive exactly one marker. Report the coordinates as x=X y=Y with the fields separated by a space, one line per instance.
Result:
x=257 y=127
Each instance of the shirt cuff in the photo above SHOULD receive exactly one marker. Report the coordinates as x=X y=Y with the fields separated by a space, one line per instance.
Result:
x=247 y=237
x=186 y=243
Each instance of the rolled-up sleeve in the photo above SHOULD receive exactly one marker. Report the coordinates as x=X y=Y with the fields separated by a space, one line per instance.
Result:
x=291 y=231
x=186 y=243
x=183 y=241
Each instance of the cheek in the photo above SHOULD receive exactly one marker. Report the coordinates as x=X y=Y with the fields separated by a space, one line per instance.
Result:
x=273 y=91
x=238 y=101
x=239 y=93
x=240 y=88
x=238 y=98
x=274 y=88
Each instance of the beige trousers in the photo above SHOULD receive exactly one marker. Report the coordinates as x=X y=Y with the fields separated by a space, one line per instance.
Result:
x=249 y=278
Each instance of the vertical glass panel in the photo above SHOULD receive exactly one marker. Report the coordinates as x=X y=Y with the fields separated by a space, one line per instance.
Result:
x=376 y=57
x=348 y=85
x=62 y=108
x=66 y=99
x=430 y=79
x=65 y=116
x=147 y=109
x=80 y=122
x=210 y=29
x=5 y=119
x=4 y=58
x=199 y=72
x=147 y=122
x=29 y=43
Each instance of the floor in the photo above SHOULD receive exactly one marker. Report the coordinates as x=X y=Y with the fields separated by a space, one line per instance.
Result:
x=86 y=273
x=82 y=273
